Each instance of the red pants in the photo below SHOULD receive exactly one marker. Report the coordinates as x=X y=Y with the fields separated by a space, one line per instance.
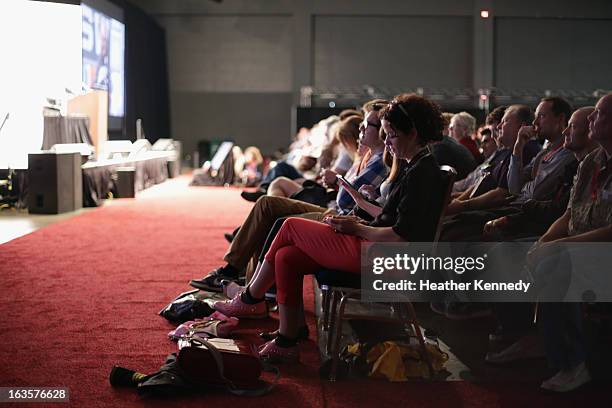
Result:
x=302 y=247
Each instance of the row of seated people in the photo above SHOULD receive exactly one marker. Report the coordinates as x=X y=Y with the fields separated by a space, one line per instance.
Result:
x=325 y=152
x=549 y=177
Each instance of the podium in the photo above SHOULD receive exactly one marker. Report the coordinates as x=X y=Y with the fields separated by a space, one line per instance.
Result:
x=94 y=104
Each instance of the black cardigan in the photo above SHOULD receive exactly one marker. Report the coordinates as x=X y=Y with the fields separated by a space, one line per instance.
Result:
x=415 y=203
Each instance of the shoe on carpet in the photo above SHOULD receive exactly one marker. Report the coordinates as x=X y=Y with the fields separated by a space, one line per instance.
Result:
x=124 y=377
x=237 y=308
x=568 y=380
x=273 y=353
x=229 y=236
x=464 y=311
x=213 y=281
x=526 y=347
x=252 y=196
x=302 y=334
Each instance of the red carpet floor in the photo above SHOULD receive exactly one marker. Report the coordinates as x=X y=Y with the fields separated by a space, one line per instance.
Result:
x=83 y=294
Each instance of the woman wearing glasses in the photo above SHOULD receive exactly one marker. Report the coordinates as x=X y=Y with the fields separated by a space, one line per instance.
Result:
x=303 y=246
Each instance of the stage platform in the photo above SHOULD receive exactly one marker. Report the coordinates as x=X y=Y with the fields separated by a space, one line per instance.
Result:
x=99 y=178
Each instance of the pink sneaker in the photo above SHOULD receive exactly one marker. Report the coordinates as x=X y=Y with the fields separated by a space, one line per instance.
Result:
x=275 y=354
x=237 y=308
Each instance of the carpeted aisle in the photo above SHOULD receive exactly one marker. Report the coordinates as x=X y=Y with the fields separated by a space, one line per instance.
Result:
x=83 y=294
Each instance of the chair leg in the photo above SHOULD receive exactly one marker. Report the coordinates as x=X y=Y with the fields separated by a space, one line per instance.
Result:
x=337 y=337
x=332 y=319
x=326 y=303
x=417 y=331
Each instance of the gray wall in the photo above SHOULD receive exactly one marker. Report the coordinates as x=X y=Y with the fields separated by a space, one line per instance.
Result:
x=236 y=67
x=553 y=53
x=230 y=78
x=349 y=50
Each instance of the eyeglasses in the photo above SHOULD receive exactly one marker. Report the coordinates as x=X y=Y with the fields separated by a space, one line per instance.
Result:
x=363 y=126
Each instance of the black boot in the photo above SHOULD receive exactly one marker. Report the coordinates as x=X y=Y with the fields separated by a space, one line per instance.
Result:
x=252 y=196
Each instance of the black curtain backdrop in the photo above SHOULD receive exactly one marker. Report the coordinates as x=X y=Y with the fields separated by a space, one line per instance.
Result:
x=146 y=76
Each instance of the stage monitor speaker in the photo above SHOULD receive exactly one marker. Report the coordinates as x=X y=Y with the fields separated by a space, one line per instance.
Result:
x=55 y=183
x=126 y=182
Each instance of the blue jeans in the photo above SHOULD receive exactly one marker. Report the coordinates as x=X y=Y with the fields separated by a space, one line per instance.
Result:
x=282 y=169
x=561 y=325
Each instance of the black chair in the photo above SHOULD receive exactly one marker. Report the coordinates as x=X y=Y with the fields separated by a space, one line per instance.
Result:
x=339 y=287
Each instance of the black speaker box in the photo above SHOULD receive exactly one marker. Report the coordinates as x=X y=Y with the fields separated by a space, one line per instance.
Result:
x=126 y=182
x=55 y=183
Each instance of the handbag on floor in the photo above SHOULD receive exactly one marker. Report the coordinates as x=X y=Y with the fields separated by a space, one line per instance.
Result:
x=201 y=364
x=228 y=363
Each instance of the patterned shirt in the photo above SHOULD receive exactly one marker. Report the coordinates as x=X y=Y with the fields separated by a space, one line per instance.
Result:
x=373 y=173
x=590 y=203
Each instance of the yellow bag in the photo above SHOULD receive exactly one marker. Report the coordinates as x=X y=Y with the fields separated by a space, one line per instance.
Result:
x=401 y=361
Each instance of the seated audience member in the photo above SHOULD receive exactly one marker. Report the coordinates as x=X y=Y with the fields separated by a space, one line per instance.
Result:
x=488 y=146
x=285 y=187
x=333 y=154
x=449 y=152
x=496 y=155
x=302 y=158
x=588 y=218
x=328 y=175
x=304 y=246
x=552 y=115
x=461 y=128
x=371 y=199
x=249 y=166
x=540 y=181
x=491 y=187
x=446 y=118
x=536 y=216
x=249 y=240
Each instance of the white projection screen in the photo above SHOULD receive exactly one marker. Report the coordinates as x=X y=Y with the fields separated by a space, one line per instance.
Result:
x=104 y=56
x=40 y=46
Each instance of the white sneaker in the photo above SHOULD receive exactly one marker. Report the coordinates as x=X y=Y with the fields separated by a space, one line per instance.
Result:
x=526 y=347
x=568 y=380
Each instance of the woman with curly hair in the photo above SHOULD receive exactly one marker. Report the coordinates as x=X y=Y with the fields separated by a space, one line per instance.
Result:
x=302 y=246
